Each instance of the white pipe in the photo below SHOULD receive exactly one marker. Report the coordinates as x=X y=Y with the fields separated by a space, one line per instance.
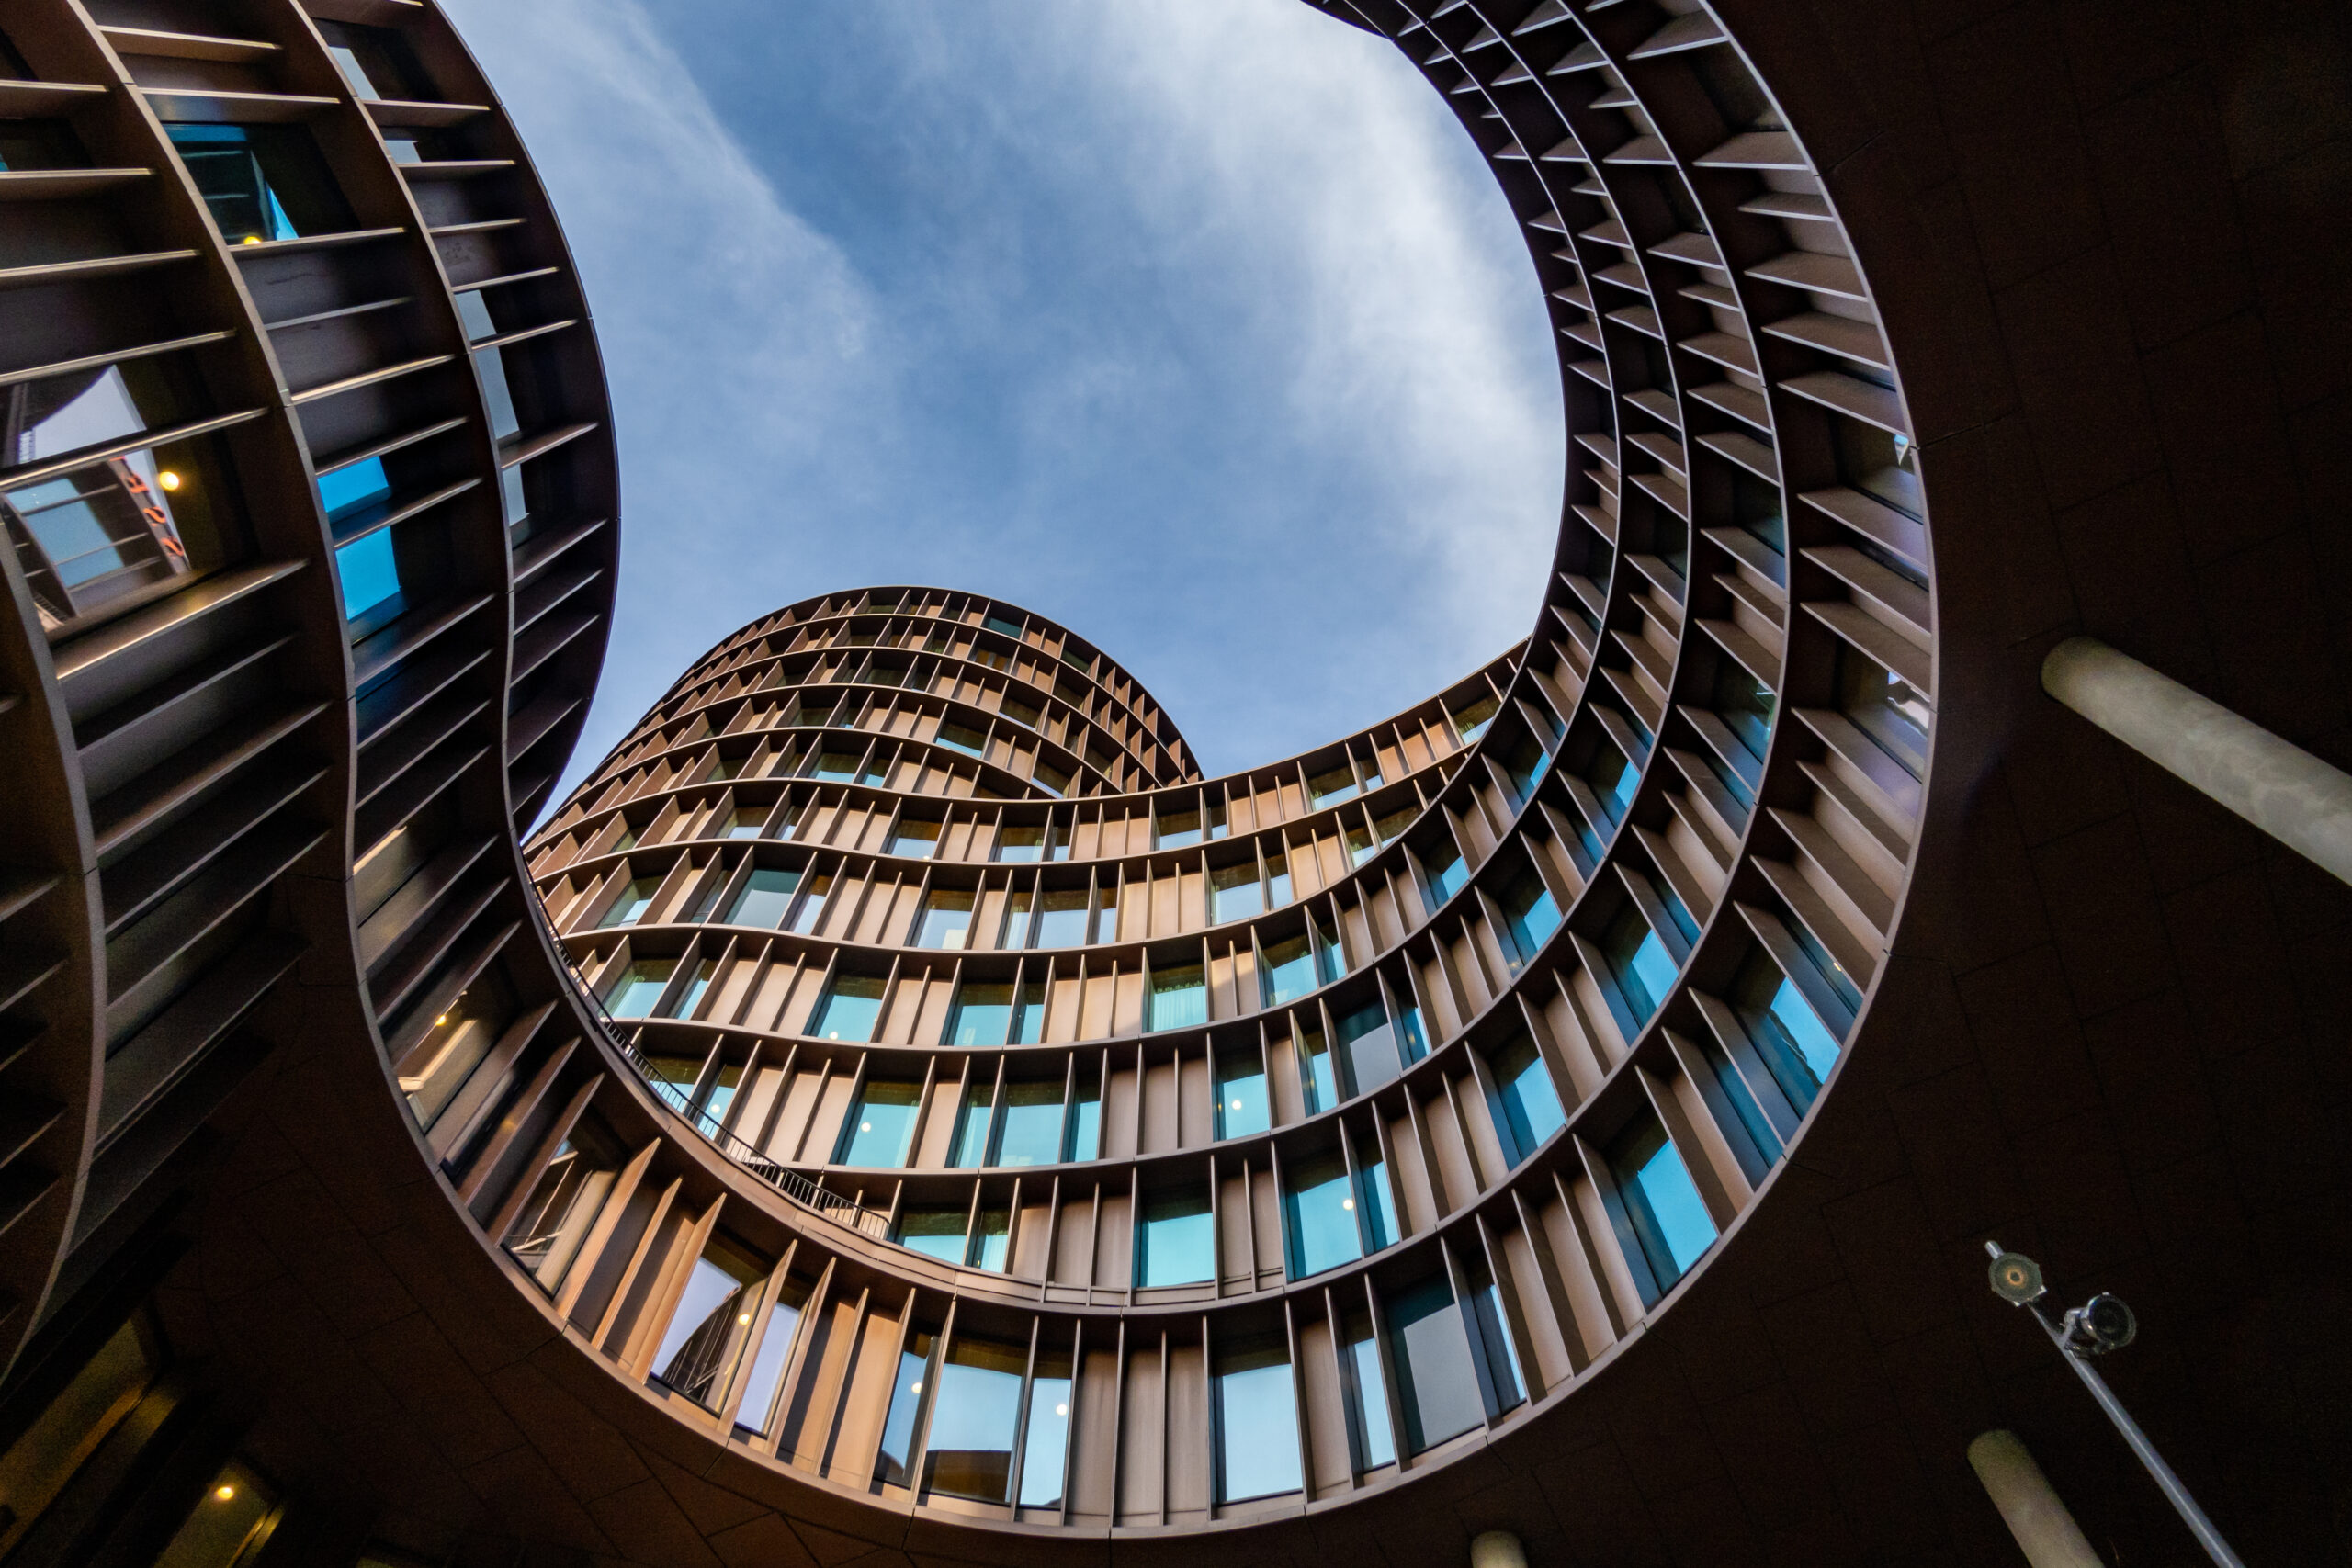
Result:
x=2045 y=1532
x=2282 y=789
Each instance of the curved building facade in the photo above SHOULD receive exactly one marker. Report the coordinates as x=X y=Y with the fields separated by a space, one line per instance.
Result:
x=899 y=1109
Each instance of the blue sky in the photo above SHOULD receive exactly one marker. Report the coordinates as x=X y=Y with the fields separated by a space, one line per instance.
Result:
x=1194 y=324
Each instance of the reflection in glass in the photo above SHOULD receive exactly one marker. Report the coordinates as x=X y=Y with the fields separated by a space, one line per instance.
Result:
x=756 y=1410
x=1061 y=919
x=906 y=1405
x=881 y=1125
x=1787 y=1033
x=1234 y=892
x=1031 y=1132
x=1526 y=1103
x=765 y=898
x=1175 y=1240
x=1320 y=1203
x=1045 y=1451
x=934 y=1232
x=972 y=1127
x=1644 y=971
x=968 y=1451
x=1242 y=1106
x=1436 y=1385
x=1669 y=1218
x=1257 y=1424
x=1370 y=1045
x=1086 y=1124
x=640 y=986
x=1368 y=1424
x=260 y=182
x=1179 y=997
x=634 y=900
x=983 y=1014
x=708 y=1328
x=1288 y=972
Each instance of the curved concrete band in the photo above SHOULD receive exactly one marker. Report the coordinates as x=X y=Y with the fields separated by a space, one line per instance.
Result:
x=2282 y=789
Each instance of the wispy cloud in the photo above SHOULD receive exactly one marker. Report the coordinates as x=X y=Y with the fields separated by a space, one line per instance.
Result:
x=1195 y=324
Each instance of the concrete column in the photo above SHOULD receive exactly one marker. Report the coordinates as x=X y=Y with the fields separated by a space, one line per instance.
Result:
x=2284 y=790
x=2046 y=1532
x=1497 y=1548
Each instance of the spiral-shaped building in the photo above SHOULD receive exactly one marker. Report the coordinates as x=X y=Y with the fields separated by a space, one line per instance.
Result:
x=899 y=1109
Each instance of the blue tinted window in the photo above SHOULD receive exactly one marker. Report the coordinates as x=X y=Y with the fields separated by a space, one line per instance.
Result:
x=1179 y=997
x=934 y=1233
x=1796 y=1049
x=1234 y=892
x=1086 y=1124
x=962 y=738
x=881 y=1125
x=247 y=174
x=635 y=900
x=1746 y=705
x=755 y=1411
x=1370 y=1046
x=370 y=573
x=1527 y=907
x=946 y=920
x=1524 y=764
x=1256 y=1424
x=972 y=1127
x=812 y=908
x=1031 y=1132
x=1643 y=970
x=915 y=839
x=1045 y=1450
x=906 y=1404
x=991 y=1235
x=1526 y=1102
x=1379 y=1204
x=1667 y=1214
x=1061 y=921
x=1020 y=844
x=1367 y=1396
x=1320 y=1203
x=1485 y=1304
x=691 y=996
x=968 y=1451
x=1447 y=873
x=1175 y=1241
x=1178 y=828
x=1315 y=1072
x=1408 y=1029
x=1472 y=720
x=1332 y=787
x=349 y=489
x=1241 y=1095
x=765 y=898
x=983 y=1015
x=1290 y=971
x=849 y=1010
x=1277 y=880
x=641 y=986
x=1435 y=1381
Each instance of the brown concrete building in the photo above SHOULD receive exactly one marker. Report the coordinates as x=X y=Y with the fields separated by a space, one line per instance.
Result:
x=899 y=1111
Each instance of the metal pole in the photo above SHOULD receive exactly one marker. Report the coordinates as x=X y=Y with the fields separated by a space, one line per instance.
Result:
x=2183 y=1503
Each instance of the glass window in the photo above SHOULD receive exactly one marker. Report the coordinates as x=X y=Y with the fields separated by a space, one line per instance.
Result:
x=765 y=898
x=1661 y=1201
x=836 y=764
x=947 y=919
x=1106 y=914
x=1316 y=1074
x=1086 y=1124
x=563 y=1204
x=1485 y=1303
x=1178 y=828
x=346 y=492
x=1241 y=1095
x=1288 y=973
x=1379 y=1204
x=1020 y=844
x=1000 y=624
x=982 y=1014
x=934 y=1232
x=992 y=1236
x=1437 y=1386
x=1029 y=1018
x=850 y=1009
x=972 y=1127
x=1045 y=1450
x=968 y=1451
x=1370 y=1045
x=1257 y=1424
x=673 y=1077
x=906 y=1405
x=1391 y=826
x=1277 y=880
x=1053 y=780
x=812 y=908
x=634 y=901
x=756 y=1413
x=1644 y=971
x=1180 y=997
x=1786 y=1031
x=1331 y=787
x=1330 y=958
x=1886 y=708
x=915 y=839
x=1061 y=919
x=707 y=1329
x=1234 y=893
x=1319 y=1202
x=881 y=1125
x=1523 y=763
x=1528 y=911
x=1175 y=1240
x=1746 y=705
x=369 y=571
x=1031 y=1132
x=963 y=737
x=260 y=182
x=1473 y=718
x=640 y=986
x=1367 y=1393
x=1527 y=1105
x=1217 y=828
x=1409 y=1032
x=690 y=997
x=1447 y=873
x=1359 y=845
x=1614 y=782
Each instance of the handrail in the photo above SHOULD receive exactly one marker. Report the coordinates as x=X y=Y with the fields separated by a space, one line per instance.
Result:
x=800 y=1189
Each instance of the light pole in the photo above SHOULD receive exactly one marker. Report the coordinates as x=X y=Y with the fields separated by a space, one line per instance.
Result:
x=2098 y=1325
